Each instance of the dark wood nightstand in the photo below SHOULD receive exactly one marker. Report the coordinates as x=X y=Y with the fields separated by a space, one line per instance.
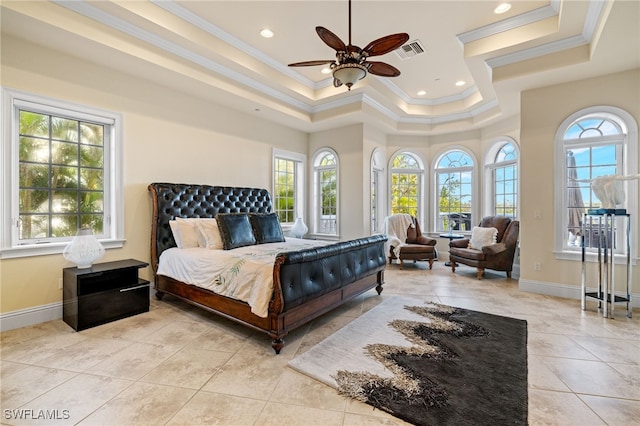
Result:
x=105 y=292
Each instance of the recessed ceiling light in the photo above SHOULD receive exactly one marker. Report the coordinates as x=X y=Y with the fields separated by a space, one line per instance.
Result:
x=502 y=8
x=266 y=33
x=326 y=70
x=460 y=83
x=422 y=92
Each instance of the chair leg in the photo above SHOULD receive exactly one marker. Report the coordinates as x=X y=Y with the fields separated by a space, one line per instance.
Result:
x=401 y=263
x=430 y=263
x=508 y=274
x=453 y=266
x=480 y=273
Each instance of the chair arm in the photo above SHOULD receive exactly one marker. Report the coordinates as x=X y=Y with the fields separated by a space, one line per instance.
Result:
x=494 y=249
x=463 y=243
x=425 y=241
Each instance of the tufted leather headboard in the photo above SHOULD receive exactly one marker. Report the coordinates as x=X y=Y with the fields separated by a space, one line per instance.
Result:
x=171 y=200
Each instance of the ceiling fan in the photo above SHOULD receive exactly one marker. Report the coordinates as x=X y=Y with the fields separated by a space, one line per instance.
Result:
x=351 y=62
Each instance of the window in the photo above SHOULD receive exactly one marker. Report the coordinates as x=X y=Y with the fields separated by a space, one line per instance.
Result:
x=288 y=184
x=60 y=174
x=406 y=184
x=377 y=180
x=325 y=170
x=453 y=182
x=591 y=143
x=502 y=171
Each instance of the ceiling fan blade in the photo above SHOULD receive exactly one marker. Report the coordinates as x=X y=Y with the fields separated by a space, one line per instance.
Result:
x=386 y=44
x=332 y=40
x=382 y=69
x=311 y=63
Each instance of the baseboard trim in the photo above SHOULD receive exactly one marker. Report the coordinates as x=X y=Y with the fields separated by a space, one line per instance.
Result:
x=564 y=290
x=30 y=316
x=36 y=315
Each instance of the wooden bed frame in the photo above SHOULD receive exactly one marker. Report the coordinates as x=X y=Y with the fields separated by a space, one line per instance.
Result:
x=307 y=283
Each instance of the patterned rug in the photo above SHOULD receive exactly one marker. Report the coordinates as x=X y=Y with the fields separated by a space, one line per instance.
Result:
x=428 y=364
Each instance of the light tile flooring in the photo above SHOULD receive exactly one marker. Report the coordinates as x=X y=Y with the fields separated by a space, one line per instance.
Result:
x=178 y=365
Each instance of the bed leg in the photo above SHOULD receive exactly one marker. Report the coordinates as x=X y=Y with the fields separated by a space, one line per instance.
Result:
x=277 y=345
x=159 y=295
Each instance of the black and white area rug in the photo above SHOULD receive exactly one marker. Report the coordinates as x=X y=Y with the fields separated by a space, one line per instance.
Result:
x=428 y=364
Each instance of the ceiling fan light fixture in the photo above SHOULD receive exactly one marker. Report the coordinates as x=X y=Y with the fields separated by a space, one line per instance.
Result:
x=349 y=73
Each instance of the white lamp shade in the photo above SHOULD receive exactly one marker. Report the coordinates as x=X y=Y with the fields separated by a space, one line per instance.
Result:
x=348 y=74
x=84 y=249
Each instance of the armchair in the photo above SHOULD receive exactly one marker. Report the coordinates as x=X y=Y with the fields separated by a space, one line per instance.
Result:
x=497 y=256
x=406 y=242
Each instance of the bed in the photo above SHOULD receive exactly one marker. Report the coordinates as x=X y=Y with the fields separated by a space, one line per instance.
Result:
x=306 y=281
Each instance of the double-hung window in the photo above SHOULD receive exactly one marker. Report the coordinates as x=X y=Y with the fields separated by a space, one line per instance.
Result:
x=406 y=173
x=61 y=173
x=503 y=173
x=288 y=185
x=453 y=181
x=325 y=170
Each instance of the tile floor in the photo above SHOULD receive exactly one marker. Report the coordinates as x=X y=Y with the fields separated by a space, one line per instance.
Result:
x=177 y=365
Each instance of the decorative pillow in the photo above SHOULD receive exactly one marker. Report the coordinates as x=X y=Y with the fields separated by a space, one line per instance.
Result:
x=481 y=237
x=185 y=232
x=235 y=230
x=266 y=228
x=209 y=234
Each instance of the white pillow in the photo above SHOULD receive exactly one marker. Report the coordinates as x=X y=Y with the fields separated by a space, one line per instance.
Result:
x=481 y=237
x=210 y=234
x=185 y=232
x=175 y=230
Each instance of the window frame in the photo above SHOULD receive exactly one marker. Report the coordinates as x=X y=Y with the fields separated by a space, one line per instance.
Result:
x=490 y=175
x=317 y=191
x=421 y=177
x=113 y=236
x=377 y=199
x=299 y=182
x=474 y=209
x=628 y=147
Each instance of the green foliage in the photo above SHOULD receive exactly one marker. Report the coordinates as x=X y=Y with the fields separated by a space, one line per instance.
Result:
x=61 y=176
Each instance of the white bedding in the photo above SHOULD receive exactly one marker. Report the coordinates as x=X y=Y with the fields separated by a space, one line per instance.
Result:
x=244 y=273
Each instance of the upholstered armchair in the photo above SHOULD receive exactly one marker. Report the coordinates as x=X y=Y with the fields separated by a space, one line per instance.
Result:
x=406 y=242
x=488 y=254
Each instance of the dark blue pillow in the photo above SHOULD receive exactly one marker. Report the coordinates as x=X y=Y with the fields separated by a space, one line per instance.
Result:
x=266 y=228
x=235 y=230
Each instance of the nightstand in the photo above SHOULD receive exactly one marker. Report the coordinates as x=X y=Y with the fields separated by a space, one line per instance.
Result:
x=105 y=292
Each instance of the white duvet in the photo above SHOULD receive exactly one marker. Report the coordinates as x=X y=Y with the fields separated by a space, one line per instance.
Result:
x=244 y=273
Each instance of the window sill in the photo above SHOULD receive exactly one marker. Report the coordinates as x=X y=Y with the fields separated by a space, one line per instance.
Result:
x=618 y=259
x=48 y=249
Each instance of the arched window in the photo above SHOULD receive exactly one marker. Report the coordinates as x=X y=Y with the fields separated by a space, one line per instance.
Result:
x=325 y=170
x=453 y=182
x=407 y=174
x=591 y=143
x=502 y=171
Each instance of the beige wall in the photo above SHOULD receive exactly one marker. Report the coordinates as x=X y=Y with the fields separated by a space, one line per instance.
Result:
x=347 y=143
x=543 y=110
x=171 y=136
x=168 y=136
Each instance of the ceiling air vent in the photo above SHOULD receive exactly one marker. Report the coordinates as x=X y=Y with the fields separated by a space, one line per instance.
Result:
x=410 y=50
